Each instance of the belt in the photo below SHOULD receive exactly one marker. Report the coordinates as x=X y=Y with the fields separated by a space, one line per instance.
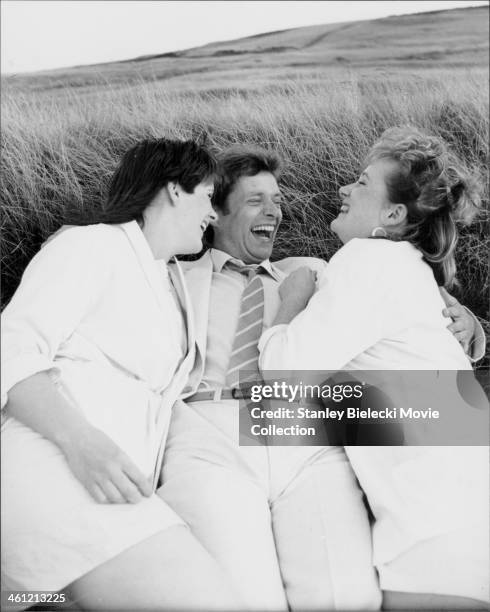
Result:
x=216 y=395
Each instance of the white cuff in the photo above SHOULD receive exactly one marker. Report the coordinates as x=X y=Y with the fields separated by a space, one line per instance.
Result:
x=20 y=367
x=264 y=338
x=478 y=342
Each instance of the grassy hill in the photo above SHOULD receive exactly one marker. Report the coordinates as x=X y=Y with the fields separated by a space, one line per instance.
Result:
x=320 y=96
x=423 y=42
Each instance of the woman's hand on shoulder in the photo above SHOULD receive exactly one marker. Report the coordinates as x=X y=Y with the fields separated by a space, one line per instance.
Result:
x=299 y=286
x=107 y=473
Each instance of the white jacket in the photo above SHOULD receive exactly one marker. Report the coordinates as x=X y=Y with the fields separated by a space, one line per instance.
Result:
x=95 y=309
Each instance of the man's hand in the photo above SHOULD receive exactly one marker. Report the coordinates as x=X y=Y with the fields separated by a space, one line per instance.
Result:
x=105 y=470
x=299 y=286
x=463 y=324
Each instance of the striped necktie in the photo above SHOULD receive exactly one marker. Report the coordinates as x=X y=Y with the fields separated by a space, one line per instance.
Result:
x=245 y=352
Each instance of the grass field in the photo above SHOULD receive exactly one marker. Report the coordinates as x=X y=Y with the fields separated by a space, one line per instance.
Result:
x=59 y=147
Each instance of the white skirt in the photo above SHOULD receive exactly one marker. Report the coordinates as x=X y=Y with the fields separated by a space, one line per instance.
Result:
x=53 y=531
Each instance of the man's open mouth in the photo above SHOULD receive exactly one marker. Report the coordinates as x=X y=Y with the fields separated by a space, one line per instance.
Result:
x=265 y=232
x=203 y=226
x=343 y=209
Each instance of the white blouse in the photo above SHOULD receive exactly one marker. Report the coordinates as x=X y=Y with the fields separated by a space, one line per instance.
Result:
x=377 y=307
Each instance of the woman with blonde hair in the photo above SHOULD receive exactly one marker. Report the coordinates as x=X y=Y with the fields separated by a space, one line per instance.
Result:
x=378 y=307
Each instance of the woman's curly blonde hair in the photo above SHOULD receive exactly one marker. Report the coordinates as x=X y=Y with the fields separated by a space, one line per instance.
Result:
x=437 y=191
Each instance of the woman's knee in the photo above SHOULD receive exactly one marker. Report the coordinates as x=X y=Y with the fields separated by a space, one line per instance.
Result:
x=168 y=571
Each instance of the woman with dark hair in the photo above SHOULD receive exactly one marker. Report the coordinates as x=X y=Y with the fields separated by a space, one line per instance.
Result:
x=378 y=307
x=97 y=345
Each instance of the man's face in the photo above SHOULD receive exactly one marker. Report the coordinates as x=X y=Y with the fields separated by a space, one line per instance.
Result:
x=248 y=230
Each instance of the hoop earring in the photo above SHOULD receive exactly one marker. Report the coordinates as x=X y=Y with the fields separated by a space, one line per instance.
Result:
x=383 y=234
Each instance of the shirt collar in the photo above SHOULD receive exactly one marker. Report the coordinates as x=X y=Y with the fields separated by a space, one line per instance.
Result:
x=219 y=259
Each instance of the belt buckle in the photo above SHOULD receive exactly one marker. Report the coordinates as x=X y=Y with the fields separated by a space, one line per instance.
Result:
x=238 y=393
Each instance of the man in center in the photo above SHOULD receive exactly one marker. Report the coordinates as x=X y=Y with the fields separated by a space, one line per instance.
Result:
x=287 y=523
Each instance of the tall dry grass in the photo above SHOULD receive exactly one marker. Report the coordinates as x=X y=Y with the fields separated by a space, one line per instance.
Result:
x=58 y=151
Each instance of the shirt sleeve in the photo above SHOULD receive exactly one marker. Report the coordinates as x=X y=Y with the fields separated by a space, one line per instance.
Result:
x=478 y=343
x=355 y=306
x=57 y=289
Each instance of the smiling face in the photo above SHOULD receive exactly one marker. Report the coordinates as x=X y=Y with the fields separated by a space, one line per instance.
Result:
x=248 y=228
x=194 y=213
x=365 y=204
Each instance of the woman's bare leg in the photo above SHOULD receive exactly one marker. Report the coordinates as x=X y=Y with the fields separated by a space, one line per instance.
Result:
x=395 y=600
x=168 y=571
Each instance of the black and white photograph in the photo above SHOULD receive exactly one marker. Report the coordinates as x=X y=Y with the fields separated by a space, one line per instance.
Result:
x=245 y=305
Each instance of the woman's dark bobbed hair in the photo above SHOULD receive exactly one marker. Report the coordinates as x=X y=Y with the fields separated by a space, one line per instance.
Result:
x=143 y=171
x=150 y=165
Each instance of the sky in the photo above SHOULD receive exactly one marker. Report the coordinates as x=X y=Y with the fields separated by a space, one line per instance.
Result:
x=42 y=34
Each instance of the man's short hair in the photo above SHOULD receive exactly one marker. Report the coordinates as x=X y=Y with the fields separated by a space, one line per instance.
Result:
x=242 y=160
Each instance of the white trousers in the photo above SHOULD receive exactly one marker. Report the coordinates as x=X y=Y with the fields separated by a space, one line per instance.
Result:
x=288 y=524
